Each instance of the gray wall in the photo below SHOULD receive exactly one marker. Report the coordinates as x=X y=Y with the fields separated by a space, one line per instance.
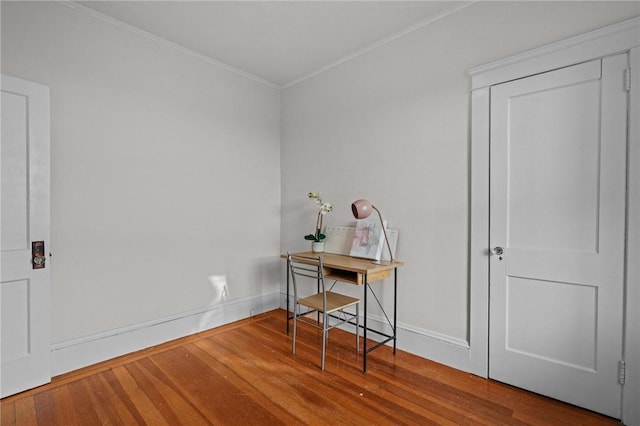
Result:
x=393 y=126
x=165 y=171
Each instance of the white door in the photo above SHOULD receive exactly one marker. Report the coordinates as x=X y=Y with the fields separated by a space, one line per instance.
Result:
x=24 y=215
x=557 y=209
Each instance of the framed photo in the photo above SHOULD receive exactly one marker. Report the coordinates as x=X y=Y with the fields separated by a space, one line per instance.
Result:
x=368 y=240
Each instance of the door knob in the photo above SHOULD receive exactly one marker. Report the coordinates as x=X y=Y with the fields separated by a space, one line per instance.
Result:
x=498 y=251
x=37 y=255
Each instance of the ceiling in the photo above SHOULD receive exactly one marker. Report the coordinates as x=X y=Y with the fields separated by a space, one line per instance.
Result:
x=276 y=42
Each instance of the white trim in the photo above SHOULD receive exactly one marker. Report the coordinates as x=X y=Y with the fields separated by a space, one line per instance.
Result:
x=160 y=40
x=432 y=335
x=592 y=45
x=607 y=41
x=427 y=344
x=424 y=343
x=631 y=392
x=157 y=39
x=479 y=233
x=73 y=354
x=382 y=42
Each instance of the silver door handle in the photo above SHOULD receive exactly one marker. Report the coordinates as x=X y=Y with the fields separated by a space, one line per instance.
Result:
x=498 y=251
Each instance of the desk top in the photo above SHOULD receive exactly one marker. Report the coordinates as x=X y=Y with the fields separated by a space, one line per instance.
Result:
x=352 y=264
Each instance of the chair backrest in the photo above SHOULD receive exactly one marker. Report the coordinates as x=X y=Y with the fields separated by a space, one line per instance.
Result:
x=306 y=266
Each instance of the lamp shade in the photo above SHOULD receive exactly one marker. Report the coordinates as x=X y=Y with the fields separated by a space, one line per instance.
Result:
x=361 y=209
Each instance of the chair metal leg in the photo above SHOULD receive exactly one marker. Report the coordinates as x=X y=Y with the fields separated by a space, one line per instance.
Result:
x=324 y=337
x=295 y=320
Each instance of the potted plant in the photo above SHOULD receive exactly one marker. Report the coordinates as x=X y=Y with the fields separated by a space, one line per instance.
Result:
x=317 y=238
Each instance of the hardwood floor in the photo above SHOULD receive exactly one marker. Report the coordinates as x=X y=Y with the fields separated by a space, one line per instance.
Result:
x=244 y=374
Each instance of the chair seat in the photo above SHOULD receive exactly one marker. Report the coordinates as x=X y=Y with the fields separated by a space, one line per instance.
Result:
x=335 y=301
x=307 y=267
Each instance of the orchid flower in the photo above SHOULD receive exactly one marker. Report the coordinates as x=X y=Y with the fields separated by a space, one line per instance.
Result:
x=323 y=208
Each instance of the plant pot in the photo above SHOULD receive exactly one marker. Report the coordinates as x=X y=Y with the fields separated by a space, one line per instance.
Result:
x=317 y=246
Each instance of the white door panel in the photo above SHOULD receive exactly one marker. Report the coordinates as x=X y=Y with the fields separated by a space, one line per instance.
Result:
x=557 y=207
x=537 y=325
x=15 y=160
x=24 y=216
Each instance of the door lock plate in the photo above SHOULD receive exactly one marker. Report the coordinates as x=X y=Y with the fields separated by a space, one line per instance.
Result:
x=38 y=259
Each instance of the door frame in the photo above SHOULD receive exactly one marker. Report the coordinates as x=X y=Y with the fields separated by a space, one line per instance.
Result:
x=618 y=38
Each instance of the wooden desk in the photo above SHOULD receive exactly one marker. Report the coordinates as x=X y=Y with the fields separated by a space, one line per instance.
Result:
x=353 y=270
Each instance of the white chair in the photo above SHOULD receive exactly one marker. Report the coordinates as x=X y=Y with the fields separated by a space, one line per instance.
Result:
x=329 y=305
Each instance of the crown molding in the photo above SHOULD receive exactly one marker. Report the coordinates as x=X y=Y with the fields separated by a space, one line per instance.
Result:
x=382 y=42
x=162 y=41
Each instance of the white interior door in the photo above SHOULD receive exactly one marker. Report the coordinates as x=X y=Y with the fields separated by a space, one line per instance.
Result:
x=24 y=215
x=557 y=208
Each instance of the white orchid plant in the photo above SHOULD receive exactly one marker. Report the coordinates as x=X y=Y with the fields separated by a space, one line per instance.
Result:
x=323 y=208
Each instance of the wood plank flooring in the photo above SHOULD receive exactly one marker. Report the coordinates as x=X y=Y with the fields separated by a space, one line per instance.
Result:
x=244 y=374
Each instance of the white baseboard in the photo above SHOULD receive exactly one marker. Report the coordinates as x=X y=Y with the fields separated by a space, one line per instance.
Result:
x=77 y=353
x=440 y=348
x=446 y=350
x=427 y=344
x=73 y=354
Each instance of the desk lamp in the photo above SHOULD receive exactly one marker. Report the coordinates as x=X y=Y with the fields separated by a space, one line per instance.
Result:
x=361 y=210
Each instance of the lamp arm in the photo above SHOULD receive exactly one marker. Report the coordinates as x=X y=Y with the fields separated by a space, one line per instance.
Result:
x=386 y=238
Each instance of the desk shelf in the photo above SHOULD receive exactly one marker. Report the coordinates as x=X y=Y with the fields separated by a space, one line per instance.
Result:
x=352 y=277
x=343 y=276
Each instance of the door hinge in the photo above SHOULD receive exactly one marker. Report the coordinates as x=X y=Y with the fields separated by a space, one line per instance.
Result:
x=622 y=371
x=627 y=79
